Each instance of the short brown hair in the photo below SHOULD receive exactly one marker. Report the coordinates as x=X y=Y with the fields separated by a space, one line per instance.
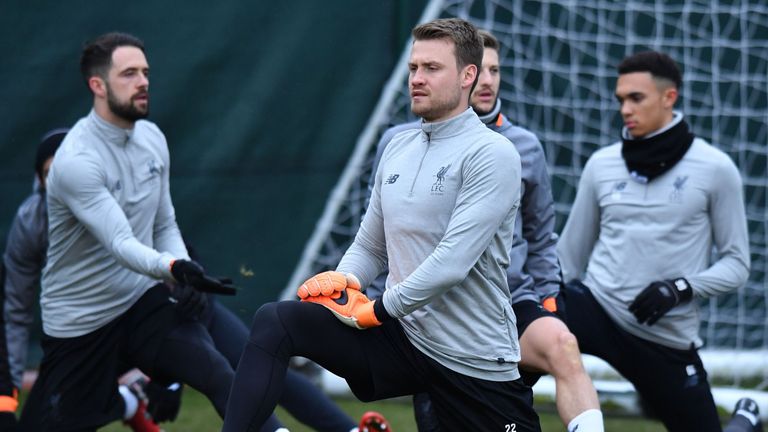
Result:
x=489 y=40
x=96 y=58
x=468 y=42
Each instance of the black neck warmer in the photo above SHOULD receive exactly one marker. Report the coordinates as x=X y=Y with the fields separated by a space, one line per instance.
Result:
x=648 y=158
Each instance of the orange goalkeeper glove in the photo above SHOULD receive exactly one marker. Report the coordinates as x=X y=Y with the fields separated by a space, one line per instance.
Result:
x=350 y=306
x=8 y=405
x=327 y=283
x=556 y=304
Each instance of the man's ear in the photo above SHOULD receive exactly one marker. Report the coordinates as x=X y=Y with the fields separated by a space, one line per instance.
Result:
x=670 y=97
x=468 y=75
x=98 y=86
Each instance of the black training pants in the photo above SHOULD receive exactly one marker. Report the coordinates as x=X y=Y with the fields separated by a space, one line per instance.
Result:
x=673 y=382
x=377 y=363
x=76 y=388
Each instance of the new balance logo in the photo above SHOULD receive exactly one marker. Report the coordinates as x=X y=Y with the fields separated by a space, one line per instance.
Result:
x=392 y=178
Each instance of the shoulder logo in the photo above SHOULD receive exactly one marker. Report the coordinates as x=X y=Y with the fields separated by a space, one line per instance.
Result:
x=438 y=187
x=392 y=178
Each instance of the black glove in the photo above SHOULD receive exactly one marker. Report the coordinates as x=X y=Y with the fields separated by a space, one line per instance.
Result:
x=189 y=301
x=164 y=402
x=658 y=298
x=190 y=273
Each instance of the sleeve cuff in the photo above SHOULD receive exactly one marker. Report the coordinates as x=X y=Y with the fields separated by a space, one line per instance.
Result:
x=166 y=260
x=380 y=311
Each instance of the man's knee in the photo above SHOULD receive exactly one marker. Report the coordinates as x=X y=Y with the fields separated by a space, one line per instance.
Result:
x=564 y=354
x=265 y=322
x=272 y=326
x=267 y=311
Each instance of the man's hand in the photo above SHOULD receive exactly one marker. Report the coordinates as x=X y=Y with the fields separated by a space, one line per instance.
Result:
x=350 y=306
x=164 y=402
x=327 y=283
x=190 y=302
x=188 y=272
x=660 y=297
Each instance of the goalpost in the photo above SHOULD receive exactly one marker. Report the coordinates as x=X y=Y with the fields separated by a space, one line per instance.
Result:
x=558 y=59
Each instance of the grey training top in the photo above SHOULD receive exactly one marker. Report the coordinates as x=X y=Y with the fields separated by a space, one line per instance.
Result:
x=626 y=235
x=443 y=210
x=533 y=272
x=112 y=227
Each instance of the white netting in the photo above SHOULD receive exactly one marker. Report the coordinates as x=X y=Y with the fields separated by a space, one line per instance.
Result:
x=558 y=59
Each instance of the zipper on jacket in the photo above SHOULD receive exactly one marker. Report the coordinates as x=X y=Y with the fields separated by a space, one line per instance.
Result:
x=129 y=163
x=421 y=162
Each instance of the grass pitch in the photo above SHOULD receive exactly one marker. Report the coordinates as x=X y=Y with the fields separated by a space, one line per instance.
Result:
x=197 y=415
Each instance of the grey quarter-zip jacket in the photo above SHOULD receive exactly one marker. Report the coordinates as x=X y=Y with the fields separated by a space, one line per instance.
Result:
x=112 y=227
x=621 y=235
x=442 y=216
x=534 y=272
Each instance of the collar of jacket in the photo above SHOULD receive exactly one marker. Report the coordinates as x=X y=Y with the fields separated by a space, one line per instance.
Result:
x=107 y=131
x=494 y=116
x=451 y=127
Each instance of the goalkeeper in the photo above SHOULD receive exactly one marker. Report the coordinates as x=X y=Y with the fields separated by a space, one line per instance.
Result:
x=638 y=246
x=533 y=275
x=442 y=216
x=112 y=236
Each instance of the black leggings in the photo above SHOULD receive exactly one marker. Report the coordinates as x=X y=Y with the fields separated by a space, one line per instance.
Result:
x=189 y=356
x=230 y=335
x=377 y=363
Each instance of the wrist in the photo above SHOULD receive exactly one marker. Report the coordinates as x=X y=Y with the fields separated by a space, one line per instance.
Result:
x=683 y=289
x=170 y=262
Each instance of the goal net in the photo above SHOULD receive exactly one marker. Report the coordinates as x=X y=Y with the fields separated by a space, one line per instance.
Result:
x=558 y=61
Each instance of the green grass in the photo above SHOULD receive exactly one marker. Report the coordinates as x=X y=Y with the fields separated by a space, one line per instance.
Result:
x=197 y=415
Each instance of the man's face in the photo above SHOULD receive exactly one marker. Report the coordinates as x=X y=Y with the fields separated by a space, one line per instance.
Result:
x=487 y=90
x=127 y=84
x=645 y=104
x=434 y=80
